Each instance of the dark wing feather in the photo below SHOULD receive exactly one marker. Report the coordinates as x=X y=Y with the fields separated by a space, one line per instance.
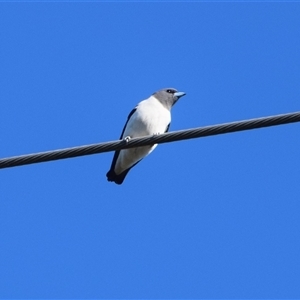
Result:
x=111 y=175
x=168 y=127
x=128 y=118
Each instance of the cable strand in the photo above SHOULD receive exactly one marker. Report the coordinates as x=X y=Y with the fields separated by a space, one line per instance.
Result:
x=150 y=140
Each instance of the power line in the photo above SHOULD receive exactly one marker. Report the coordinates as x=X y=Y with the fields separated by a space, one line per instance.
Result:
x=150 y=140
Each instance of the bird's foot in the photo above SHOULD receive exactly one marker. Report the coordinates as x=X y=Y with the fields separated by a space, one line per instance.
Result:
x=127 y=139
x=156 y=133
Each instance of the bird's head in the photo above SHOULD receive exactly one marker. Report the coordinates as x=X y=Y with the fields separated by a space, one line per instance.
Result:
x=168 y=97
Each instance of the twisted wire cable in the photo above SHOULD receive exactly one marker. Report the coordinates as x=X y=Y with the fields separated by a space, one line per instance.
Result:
x=150 y=140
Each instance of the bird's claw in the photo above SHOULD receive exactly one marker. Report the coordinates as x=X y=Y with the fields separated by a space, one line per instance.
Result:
x=127 y=139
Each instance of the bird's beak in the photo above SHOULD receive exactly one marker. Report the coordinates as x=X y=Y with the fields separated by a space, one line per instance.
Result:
x=179 y=94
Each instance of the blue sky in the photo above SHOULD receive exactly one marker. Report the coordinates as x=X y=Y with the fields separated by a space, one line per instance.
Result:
x=216 y=217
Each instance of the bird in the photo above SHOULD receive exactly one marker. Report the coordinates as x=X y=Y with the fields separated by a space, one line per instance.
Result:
x=150 y=117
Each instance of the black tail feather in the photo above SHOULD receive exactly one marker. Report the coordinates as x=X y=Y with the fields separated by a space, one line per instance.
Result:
x=118 y=179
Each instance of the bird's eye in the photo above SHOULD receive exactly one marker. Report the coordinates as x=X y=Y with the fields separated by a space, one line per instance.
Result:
x=170 y=91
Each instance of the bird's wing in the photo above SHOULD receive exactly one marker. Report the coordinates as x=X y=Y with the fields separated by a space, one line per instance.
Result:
x=168 y=127
x=128 y=118
x=116 y=155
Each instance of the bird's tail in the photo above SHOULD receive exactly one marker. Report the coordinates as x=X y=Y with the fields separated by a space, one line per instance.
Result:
x=118 y=179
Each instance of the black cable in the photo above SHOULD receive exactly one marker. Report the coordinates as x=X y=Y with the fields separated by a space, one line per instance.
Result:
x=150 y=140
